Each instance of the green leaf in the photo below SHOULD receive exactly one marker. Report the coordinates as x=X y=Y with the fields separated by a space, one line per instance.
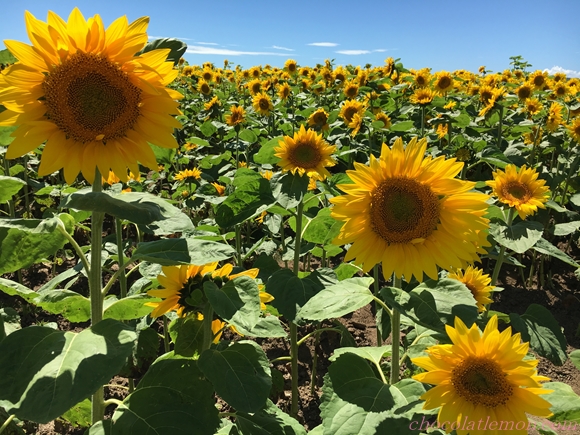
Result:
x=144 y=353
x=270 y=420
x=171 y=252
x=575 y=358
x=128 y=308
x=248 y=136
x=267 y=327
x=240 y=374
x=208 y=129
x=173 y=397
x=24 y=242
x=165 y=156
x=323 y=229
x=402 y=126
x=244 y=203
x=237 y=302
x=538 y=326
x=80 y=414
x=374 y=354
x=566 y=228
x=337 y=300
x=177 y=48
x=46 y=372
x=71 y=305
x=13 y=288
x=289 y=189
x=266 y=153
x=519 y=237
x=187 y=334
x=565 y=402
x=346 y=270
x=10 y=186
x=6 y=57
x=545 y=247
x=9 y=321
x=244 y=176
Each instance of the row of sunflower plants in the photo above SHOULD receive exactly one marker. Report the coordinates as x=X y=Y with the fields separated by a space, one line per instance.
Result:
x=204 y=210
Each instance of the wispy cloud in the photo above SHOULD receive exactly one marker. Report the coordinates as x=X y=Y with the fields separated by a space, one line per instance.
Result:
x=282 y=48
x=323 y=44
x=568 y=72
x=380 y=50
x=207 y=43
x=196 y=49
x=352 y=52
x=169 y=37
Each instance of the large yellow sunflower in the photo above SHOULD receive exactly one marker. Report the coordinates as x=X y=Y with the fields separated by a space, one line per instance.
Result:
x=520 y=189
x=482 y=379
x=307 y=153
x=410 y=213
x=422 y=77
x=182 y=285
x=262 y=104
x=477 y=282
x=443 y=82
x=81 y=89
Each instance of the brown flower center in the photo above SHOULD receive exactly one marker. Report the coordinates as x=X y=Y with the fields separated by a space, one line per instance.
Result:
x=514 y=190
x=89 y=98
x=403 y=210
x=481 y=381
x=305 y=155
x=444 y=82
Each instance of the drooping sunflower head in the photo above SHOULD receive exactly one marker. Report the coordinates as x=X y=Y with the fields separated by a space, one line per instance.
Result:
x=319 y=119
x=82 y=89
x=349 y=109
x=262 y=104
x=422 y=96
x=284 y=91
x=555 y=118
x=236 y=117
x=212 y=104
x=409 y=213
x=306 y=153
x=477 y=282
x=482 y=376
x=443 y=82
x=520 y=189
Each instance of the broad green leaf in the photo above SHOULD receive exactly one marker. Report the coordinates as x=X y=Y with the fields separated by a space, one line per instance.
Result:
x=165 y=156
x=270 y=420
x=240 y=374
x=575 y=358
x=566 y=228
x=322 y=229
x=244 y=176
x=171 y=252
x=9 y=186
x=145 y=350
x=13 y=288
x=6 y=57
x=187 y=335
x=289 y=189
x=24 y=242
x=346 y=270
x=128 y=308
x=71 y=305
x=337 y=300
x=46 y=372
x=208 y=129
x=79 y=415
x=266 y=153
x=244 y=203
x=10 y=320
x=248 y=136
x=402 y=126
x=267 y=327
x=374 y=354
x=2 y=329
x=565 y=402
x=538 y=326
x=103 y=427
x=173 y=397
x=519 y=237
x=176 y=48
x=545 y=247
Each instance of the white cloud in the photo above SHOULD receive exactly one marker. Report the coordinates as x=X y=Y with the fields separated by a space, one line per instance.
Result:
x=323 y=44
x=169 y=37
x=568 y=72
x=196 y=49
x=380 y=50
x=353 y=52
x=282 y=48
x=207 y=43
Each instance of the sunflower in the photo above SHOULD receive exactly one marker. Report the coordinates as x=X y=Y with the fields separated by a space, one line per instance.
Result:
x=290 y=66
x=284 y=91
x=422 y=96
x=533 y=106
x=203 y=87
x=237 y=116
x=183 y=286
x=520 y=189
x=524 y=91
x=340 y=74
x=443 y=82
x=482 y=376
x=538 y=79
x=349 y=108
x=207 y=74
x=254 y=86
x=560 y=89
x=384 y=118
x=477 y=282
x=442 y=129
x=267 y=175
x=307 y=153
x=355 y=124
x=422 y=77
x=574 y=130
x=262 y=104
x=214 y=103
x=220 y=190
x=554 y=119
x=83 y=90
x=319 y=119
x=188 y=175
x=350 y=89
x=410 y=213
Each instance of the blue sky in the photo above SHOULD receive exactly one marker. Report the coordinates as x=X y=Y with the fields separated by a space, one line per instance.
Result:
x=441 y=34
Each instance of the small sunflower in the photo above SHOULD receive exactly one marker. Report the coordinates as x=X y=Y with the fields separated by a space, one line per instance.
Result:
x=220 y=190
x=349 y=108
x=554 y=119
x=422 y=77
x=203 y=87
x=214 y=103
x=442 y=129
x=560 y=89
x=267 y=175
x=188 y=175
x=183 y=286
x=520 y=189
x=533 y=106
x=284 y=91
x=422 y=96
x=524 y=91
x=538 y=79
x=307 y=153
x=355 y=124
x=574 y=130
x=463 y=154
x=408 y=212
x=477 y=282
x=482 y=376
x=81 y=89
x=443 y=82
x=236 y=117
x=254 y=86
x=384 y=118
x=290 y=65
x=262 y=104
x=350 y=89
x=319 y=119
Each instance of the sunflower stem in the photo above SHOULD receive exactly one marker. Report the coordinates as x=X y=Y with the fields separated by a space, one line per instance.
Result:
x=121 y=255
x=95 y=288
x=166 y=340
x=422 y=120
x=395 y=335
x=501 y=255
x=207 y=331
x=293 y=326
x=377 y=306
x=6 y=423
x=239 y=244
x=500 y=126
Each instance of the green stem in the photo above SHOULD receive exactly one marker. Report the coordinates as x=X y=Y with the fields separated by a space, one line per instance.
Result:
x=318 y=331
x=396 y=336
x=239 y=244
x=116 y=275
x=207 y=332
x=121 y=255
x=500 y=127
x=95 y=288
x=6 y=423
x=293 y=326
x=422 y=120
x=314 y=364
x=281 y=358
x=75 y=246
x=377 y=306
x=166 y=340
x=501 y=255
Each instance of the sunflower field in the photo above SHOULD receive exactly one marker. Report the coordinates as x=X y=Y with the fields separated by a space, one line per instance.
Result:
x=327 y=249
